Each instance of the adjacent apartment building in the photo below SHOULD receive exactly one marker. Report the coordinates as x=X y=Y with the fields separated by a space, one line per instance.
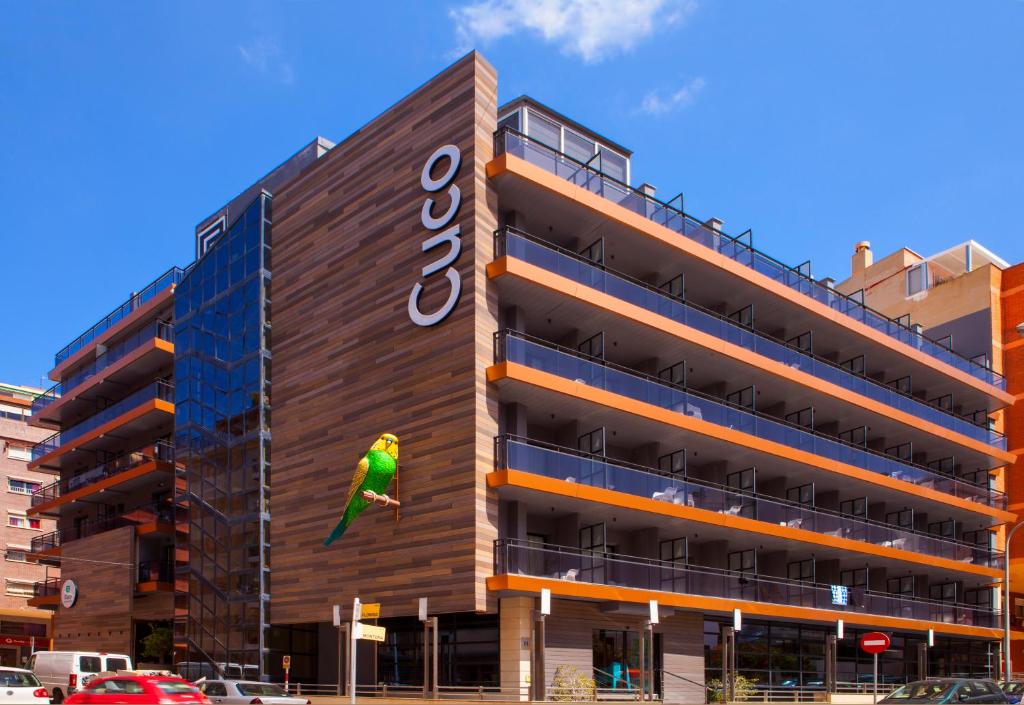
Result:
x=23 y=625
x=596 y=393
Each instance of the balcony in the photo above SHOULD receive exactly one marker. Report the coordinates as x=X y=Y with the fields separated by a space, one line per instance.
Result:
x=516 y=347
x=82 y=485
x=152 y=517
x=586 y=176
x=514 y=557
x=519 y=245
x=160 y=390
x=171 y=277
x=155 y=571
x=567 y=465
x=45 y=594
x=157 y=330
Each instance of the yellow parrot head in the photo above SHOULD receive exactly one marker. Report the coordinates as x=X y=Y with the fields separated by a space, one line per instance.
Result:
x=387 y=443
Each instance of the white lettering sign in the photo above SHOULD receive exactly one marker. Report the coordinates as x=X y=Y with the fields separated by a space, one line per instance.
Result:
x=449 y=235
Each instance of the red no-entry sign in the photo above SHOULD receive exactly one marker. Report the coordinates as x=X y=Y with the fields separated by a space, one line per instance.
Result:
x=874 y=642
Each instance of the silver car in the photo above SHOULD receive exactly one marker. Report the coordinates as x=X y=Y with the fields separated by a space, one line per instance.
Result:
x=244 y=692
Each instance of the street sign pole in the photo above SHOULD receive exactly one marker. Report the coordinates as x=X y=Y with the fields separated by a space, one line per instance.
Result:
x=874 y=691
x=352 y=644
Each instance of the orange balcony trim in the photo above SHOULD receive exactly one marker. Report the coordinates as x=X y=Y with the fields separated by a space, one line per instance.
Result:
x=560 y=385
x=530 y=481
x=154 y=527
x=510 y=164
x=590 y=591
x=562 y=285
x=154 y=586
x=100 y=485
x=44 y=600
x=128 y=416
x=152 y=344
x=131 y=319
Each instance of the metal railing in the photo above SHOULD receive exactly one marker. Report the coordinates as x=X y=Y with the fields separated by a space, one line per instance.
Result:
x=160 y=389
x=510 y=141
x=520 y=245
x=157 y=329
x=161 y=450
x=46 y=588
x=144 y=514
x=569 y=465
x=515 y=557
x=517 y=347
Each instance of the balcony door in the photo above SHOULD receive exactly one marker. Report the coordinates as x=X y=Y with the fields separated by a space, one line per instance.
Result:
x=741 y=501
x=673 y=555
x=592 y=470
x=593 y=548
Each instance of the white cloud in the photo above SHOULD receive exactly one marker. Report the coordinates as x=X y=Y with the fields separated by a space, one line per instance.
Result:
x=589 y=29
x=658 y=103
x=265 y=56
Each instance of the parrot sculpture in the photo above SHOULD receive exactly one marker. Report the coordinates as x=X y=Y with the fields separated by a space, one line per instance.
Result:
x=374 y=473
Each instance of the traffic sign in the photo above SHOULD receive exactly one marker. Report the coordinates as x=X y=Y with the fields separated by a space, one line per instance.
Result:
x=371 y=610
x=874 y=642
x=369 y=632
x=286 y=662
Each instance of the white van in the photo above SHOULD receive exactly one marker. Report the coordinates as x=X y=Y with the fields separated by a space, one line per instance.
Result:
x=64 y=672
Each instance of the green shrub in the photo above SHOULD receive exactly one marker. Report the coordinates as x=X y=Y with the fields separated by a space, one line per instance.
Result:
x=745 y=689
x=568 y=684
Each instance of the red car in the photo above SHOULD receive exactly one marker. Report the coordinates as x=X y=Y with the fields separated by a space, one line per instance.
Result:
x=129 y=690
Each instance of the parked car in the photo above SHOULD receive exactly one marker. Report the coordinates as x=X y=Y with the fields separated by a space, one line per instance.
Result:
x=1014 y=691
x=19 y=685
x=64 y=672
x=143 y=690
x=194 y=670
x=228 y=692
x=939 y=691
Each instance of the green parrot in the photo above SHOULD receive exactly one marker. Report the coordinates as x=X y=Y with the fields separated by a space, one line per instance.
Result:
x=375 y=471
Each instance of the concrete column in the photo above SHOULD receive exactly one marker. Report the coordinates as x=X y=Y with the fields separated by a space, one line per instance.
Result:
x=514 y=644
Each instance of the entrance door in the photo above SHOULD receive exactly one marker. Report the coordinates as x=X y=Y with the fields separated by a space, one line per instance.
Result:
x=617 y=659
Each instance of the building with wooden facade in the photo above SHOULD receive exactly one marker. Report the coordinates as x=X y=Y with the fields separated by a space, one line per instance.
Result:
x=596 y=394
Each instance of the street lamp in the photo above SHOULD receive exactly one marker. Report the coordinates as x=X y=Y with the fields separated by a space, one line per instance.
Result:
x=1008 y=671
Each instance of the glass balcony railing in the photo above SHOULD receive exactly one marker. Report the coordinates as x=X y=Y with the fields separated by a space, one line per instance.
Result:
x=515 y=557
x=158 y=571
x=156 y=329
x=597 y=471
x=171 y=277
x=571 y=265
x=157 y=390
x=147 y=514
x=162 y=451
x=507 y=140
x=542 y=355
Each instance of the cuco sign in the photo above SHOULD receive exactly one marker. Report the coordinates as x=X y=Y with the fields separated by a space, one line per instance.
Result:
x=444 y=233
x=874 y=642
x=68 y=593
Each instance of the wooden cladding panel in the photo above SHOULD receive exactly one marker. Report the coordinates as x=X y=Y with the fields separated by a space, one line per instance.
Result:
x=349 y=364
x=101 y=618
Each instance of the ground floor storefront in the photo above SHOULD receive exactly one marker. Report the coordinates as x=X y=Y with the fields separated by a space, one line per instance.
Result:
x=605 y=641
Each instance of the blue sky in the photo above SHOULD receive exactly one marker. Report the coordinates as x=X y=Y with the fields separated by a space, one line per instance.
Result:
x=817 y=124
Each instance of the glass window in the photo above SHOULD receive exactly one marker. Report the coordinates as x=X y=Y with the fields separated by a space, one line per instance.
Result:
x=117 y=664
x=578 y=147
x=543 y=130
x=917 y=279
x=510 y=120
x=612 y=164
x=213 y=689
x=22 y=486
x=17 y=679
x=89 y=664
x=19 y=453
x=15 y=555
x=177 y=687
x=271 y=689
x=19 y=588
